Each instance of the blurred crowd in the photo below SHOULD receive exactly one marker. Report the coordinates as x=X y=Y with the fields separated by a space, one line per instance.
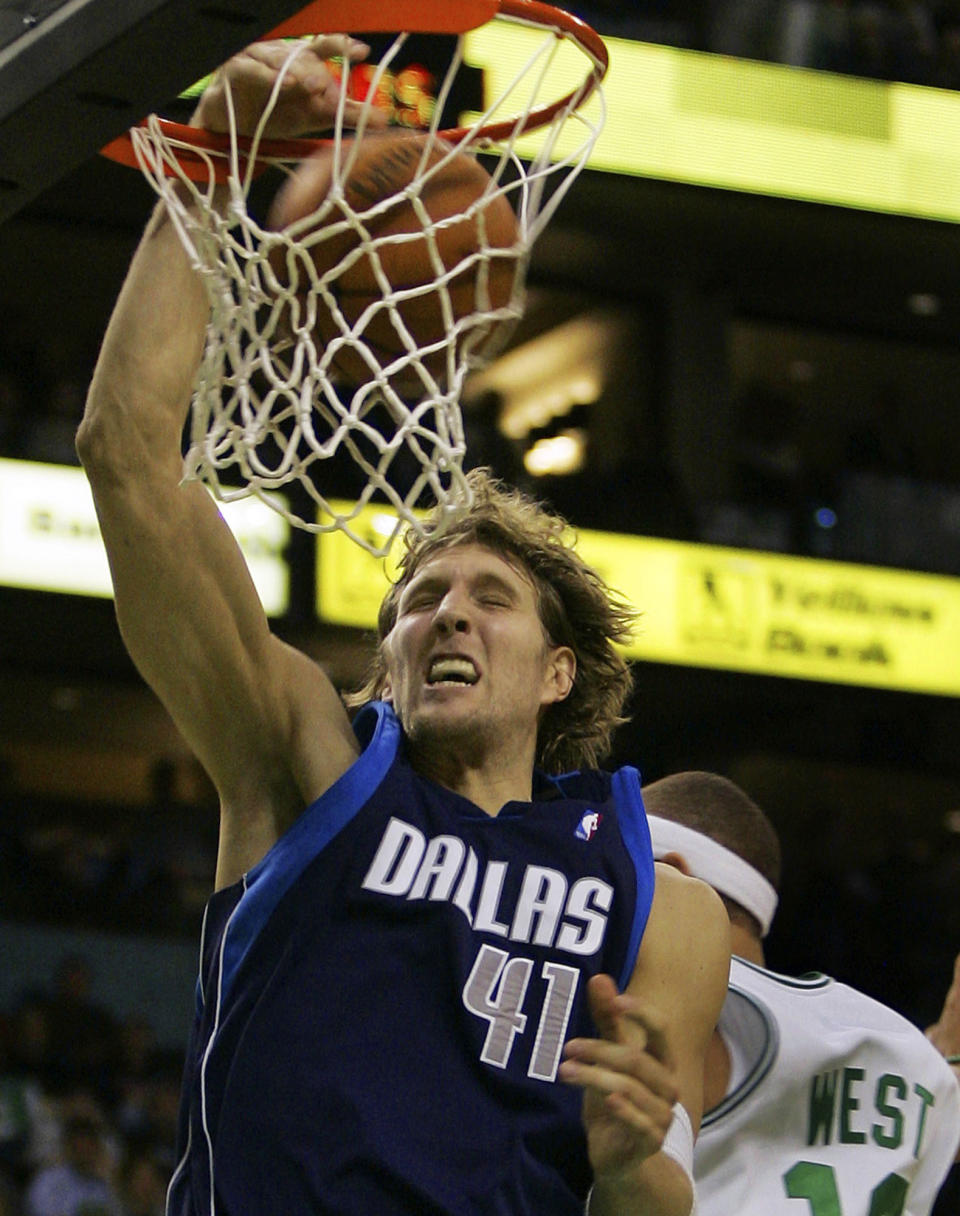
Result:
x=39 y=414
x=914 y=41
x=869 y=495
x=88 y=1106
x=103 y=867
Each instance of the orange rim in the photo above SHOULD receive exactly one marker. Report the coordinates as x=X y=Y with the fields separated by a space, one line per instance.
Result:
x=381 y=16
x=533 y=12
x=370 y=16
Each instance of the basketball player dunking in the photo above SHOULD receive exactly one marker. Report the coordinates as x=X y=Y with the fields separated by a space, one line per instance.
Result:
x=422 y=947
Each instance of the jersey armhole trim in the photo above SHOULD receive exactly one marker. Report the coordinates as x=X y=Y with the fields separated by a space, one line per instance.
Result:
x=635 y=831
x=768 y=1054
x=806 y=982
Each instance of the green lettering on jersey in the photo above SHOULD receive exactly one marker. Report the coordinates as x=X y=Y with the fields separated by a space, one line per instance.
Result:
x=889 y=1197
x=823 y=1093
x=817 y=1183
x=927 y=1099
x=848 y=1104
x=892 y=1136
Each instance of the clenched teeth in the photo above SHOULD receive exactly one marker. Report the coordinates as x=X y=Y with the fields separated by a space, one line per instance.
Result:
x=452 y=671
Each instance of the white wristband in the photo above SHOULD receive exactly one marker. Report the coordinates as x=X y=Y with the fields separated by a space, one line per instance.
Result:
x=678 y=1142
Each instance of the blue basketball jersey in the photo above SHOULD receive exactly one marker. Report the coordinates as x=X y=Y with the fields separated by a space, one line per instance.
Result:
x=384 y=999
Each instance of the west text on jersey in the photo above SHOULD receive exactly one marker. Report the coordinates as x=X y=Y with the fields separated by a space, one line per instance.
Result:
x=549 y=910
x=849 y=1106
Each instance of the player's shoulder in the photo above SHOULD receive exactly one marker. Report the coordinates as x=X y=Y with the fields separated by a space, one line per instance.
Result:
x=822 y=995
x=814 y=1000
x=688 y=920
x=685 y=896
x=814 y=987
x=684 y=957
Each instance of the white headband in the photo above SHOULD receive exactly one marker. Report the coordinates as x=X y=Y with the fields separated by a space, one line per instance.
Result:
x=717 y=865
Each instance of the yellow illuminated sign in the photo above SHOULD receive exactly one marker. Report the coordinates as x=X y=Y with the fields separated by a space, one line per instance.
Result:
x=711 y=120
x=737 y=610
x=350 y=582
x=705 y=606
x=50 y=537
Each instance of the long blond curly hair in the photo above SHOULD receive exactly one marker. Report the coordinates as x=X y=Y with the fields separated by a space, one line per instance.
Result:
x=576 y=607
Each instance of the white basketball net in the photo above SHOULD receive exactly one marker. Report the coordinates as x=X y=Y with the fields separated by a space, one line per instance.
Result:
x=269 y=407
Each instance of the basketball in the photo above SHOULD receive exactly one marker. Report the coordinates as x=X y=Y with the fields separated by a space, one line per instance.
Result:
x=397 y=239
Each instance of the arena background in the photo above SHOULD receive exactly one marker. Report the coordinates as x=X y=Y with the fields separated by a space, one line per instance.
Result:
x=742 y=342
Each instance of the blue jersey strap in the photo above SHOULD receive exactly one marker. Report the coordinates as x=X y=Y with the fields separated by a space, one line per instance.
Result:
x=632 y=818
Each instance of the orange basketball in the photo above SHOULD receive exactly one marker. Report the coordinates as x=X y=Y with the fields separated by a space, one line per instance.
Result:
x=385 y=165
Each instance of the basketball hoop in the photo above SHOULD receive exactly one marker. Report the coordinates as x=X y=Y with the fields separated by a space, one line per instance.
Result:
x=270 y=401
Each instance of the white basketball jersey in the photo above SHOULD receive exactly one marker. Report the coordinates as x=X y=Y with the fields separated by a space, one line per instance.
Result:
x=839 y=1106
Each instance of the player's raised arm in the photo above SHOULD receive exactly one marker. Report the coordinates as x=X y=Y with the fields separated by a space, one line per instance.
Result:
x=186 y=605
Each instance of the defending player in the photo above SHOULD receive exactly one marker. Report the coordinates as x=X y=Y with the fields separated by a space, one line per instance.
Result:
x=813 y=1090
x=411 y=965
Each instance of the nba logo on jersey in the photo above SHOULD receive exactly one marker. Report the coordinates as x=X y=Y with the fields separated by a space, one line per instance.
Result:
x=588 y=825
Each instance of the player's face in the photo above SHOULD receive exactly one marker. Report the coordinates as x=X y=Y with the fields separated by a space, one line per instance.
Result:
x=468 y=654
